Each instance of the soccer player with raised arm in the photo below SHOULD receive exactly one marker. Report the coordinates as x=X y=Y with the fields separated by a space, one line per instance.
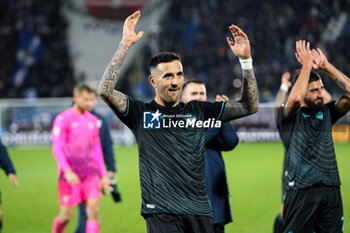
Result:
x=171 y=134
x=280 y=98
x=77 y=149
x=313 y=200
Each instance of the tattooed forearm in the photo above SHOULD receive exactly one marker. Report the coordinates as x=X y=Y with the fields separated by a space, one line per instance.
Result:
x=341 y=84
x=117 y=102
x=115 y=99
x=249 y=103
x=342 y=105
x=340 y=78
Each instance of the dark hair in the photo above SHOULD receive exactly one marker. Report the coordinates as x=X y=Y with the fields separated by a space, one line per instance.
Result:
x=163 y=57
x=191 y=81
x=313 y=76
x=81 y=87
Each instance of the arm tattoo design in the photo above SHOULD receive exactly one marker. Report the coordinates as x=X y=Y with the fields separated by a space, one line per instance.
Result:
x=115 y=100
x=342 y=104
x=342 y=80
x=249 y=103
x=341 y=84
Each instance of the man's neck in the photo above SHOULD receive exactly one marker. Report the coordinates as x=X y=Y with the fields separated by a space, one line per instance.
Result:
x=163 y=103
x=78 y=110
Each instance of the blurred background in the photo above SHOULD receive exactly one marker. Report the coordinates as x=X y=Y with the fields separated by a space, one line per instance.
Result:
x=49 y=46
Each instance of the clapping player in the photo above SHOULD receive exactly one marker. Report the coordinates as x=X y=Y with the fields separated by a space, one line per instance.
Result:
x=313 y=200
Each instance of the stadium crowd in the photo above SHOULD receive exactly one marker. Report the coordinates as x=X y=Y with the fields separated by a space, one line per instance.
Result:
x=34 y=59
x=195 y=29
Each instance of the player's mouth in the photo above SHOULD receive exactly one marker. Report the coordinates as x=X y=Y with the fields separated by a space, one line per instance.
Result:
x=318 y=100
x=173 y=90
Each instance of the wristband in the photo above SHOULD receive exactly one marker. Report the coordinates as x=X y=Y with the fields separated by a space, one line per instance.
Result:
x=246 y=64
x=284 y=87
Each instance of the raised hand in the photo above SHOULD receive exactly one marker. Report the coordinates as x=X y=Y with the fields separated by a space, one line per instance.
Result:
x=239 y=45
x=129 y=35
x=303 y=52
x=319 y=59
x=285 y=79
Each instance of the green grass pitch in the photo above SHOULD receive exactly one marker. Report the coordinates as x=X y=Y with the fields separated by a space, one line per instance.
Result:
x=253 y=170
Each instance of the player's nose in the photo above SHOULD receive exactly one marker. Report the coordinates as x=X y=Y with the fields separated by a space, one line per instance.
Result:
x=174 y=82
x=201 y=98
x=198 y=97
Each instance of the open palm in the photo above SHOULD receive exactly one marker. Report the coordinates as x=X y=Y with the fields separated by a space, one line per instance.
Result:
x=239 y=45
x=129 y=35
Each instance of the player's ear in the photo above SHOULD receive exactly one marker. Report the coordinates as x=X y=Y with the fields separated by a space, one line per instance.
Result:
x=152 y=81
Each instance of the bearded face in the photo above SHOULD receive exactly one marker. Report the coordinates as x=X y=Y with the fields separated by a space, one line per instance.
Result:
x=314 y=95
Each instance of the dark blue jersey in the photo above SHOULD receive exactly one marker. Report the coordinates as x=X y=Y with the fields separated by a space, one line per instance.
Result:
x=5 y=161
x=310 y=156
x=171 y=143
x=219 y=139
x=106 y=142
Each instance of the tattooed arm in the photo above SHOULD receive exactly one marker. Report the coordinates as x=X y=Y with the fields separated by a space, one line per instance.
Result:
x=321 y=62
x=249 y=102
x=116 y=100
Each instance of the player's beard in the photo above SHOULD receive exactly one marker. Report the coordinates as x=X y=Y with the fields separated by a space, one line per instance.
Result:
x=166 y=98
x=315 y=104
x=170 y=98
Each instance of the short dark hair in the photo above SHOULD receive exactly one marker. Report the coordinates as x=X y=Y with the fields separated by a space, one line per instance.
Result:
x=163 y=57
x=192 y=81
x=80 y=88
x=314 y=76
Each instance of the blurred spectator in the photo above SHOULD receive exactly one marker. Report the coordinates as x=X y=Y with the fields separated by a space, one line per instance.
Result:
x=34 y=61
